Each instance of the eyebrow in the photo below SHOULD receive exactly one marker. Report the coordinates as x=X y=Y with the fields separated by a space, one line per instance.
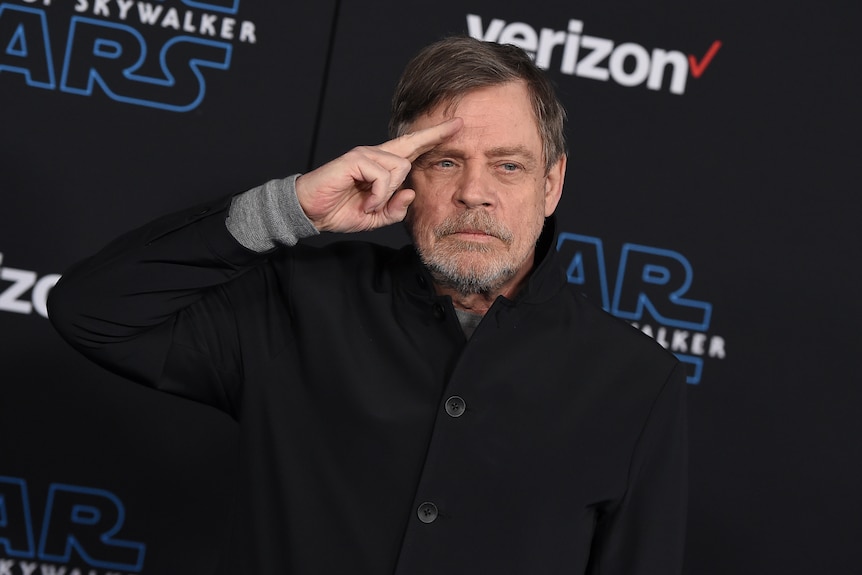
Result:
x=498 y=152
x=510 y=151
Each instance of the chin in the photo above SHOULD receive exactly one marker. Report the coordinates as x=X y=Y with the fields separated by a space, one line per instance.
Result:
x=472 y=282
x=470 y=271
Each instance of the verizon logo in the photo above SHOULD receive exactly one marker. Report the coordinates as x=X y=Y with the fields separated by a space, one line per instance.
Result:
x=628 y=64
x=23 y=291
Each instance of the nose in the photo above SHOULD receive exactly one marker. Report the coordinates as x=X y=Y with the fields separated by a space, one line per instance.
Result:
x=475 y=188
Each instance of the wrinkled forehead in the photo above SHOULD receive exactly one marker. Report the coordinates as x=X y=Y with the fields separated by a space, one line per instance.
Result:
x=501 y=114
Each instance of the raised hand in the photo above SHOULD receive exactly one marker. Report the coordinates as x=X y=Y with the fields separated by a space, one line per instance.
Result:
x=361 y=190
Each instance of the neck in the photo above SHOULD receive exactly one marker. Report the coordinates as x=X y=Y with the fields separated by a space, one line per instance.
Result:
x=480 y=303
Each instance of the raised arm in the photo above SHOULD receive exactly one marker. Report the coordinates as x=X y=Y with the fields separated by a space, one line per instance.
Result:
x=127 y=306
x=361 y=190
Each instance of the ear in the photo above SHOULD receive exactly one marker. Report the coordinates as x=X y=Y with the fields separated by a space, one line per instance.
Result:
x=554 y=185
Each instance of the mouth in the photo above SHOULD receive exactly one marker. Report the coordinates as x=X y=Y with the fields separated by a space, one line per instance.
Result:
x=473 y=227
x=474 y=235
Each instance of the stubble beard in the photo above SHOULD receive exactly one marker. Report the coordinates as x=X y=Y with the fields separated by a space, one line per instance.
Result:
x=469 y=267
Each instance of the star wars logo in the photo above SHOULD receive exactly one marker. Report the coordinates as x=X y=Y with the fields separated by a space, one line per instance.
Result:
x=577 y=54
x=156 y=53
x=649 y=291
x=81 y=525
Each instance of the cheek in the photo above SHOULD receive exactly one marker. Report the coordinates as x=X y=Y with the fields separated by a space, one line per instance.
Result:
x=532 y=219
x=420 y=221
x=532 y=203
x=428 y=191
x=427 y=208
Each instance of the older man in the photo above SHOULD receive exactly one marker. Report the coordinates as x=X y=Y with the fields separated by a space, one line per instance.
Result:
x=449 y=407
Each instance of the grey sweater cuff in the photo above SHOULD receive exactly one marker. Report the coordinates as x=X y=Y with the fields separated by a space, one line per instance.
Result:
x=268 y=216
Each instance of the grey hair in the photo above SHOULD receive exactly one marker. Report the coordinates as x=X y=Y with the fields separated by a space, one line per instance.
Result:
x=446 y=70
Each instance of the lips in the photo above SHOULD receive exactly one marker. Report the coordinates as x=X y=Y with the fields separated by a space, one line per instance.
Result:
x=475 y=232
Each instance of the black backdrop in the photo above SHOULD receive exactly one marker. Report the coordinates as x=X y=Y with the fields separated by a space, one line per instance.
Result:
x=723 y=220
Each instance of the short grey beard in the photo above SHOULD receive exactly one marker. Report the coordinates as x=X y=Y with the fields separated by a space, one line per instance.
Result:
x=445 y=272
x=443 y=265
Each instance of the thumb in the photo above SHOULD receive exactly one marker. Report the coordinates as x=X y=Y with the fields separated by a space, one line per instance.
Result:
x=396 y=207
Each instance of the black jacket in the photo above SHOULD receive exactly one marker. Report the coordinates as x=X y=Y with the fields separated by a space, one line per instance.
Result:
x=375 y=438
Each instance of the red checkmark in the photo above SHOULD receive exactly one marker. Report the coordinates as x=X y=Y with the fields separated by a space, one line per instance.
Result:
x=698 y=68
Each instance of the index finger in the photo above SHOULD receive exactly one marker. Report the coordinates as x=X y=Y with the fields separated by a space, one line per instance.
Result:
x=411 y=146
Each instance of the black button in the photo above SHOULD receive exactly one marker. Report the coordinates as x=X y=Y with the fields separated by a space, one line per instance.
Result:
x=439 y=311
x=455 y=406
x=427 y=512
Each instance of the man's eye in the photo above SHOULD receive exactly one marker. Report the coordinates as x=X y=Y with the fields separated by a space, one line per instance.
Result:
x=509 y=166
x=446 y=164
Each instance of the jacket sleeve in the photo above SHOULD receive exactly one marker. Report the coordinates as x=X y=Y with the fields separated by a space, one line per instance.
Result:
x=122 y=307
x=645 y=533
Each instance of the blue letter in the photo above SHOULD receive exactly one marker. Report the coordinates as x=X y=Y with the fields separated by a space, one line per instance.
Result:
x=16 y=529
x=586 y=265
x=87 y=520
x=695 y=367
x=226 y=6
x=658 y=280
x=112 y=54
x=24 y=45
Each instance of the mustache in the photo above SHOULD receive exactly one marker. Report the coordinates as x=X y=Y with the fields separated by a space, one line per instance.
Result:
x=474 y=221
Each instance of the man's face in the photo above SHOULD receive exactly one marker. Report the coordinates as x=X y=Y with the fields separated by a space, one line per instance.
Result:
x=483 y=195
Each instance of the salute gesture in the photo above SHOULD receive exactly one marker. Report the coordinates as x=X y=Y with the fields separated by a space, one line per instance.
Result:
x=361 y=190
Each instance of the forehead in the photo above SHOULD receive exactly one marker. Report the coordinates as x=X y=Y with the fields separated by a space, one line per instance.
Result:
x=494 y=116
